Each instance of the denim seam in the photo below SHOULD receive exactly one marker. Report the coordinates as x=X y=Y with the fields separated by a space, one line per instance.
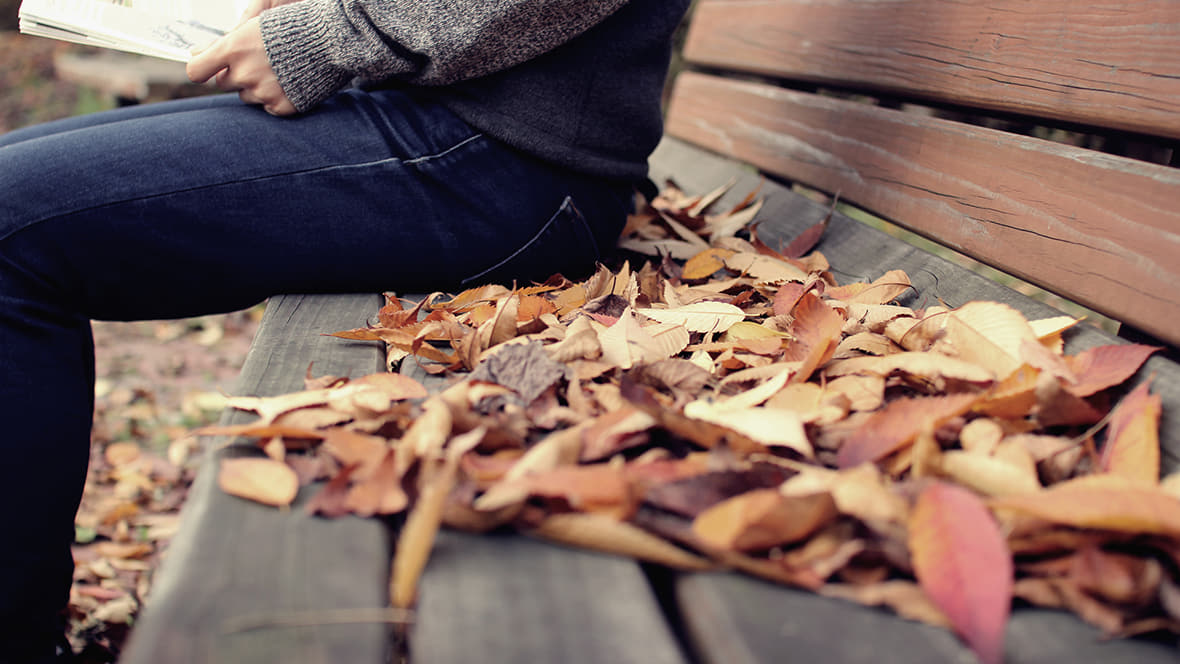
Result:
x=320 y=169
x=580 y=221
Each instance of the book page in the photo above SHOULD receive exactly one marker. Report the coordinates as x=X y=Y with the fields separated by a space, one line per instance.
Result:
x=163 y=28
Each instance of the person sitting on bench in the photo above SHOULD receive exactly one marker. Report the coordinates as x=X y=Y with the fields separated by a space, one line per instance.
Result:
x=383 y=145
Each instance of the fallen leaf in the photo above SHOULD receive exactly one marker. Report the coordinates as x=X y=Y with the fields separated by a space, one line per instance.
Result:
x=260 y=479
x=699 y=317
x=761 y=519
x=897 y=424
x=602 y=533
x=963 y=564
x=1108 y=502
x=1132 y=446
x=1104 y=366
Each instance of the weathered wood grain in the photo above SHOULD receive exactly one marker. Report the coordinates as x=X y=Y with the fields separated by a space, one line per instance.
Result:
x=250 y=584
x=505 y=599
x=737 y=620
x=1111 y=64
x=1098 y=229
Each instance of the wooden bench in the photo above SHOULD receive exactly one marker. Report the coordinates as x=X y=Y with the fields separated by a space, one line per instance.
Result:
x=247 y=583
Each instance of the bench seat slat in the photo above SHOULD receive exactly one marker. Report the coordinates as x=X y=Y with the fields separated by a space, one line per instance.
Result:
x=738 y=620
x=1118 y=68
x=505 y=598
x=251 y=584
x=1098 y=229
x=735 y=619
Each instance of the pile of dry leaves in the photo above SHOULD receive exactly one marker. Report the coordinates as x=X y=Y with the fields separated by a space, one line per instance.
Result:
x=729 y=405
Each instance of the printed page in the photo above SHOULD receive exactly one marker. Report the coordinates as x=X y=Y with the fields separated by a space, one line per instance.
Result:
x=168 y=29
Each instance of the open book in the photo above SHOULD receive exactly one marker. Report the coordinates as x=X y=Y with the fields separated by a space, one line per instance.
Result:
x=168 y=29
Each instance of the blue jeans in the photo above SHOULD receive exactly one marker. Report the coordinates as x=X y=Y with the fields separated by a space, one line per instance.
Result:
x=207 y=205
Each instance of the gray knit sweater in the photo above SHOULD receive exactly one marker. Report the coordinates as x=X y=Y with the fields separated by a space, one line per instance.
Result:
x=575 y=82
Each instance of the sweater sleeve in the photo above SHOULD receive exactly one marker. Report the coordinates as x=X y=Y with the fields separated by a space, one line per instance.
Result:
x=317 y=46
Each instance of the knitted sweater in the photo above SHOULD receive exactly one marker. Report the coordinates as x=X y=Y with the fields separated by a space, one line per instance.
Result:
x=575 y=82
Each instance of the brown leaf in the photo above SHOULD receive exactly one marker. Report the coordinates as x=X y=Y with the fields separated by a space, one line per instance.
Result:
x=602 y=533
x=259 y=479
x=963 y=564
x=897 y=424
x=598 y=488
x=806 y=241
x=764 y=518
x=817 y=332
x=379 y=493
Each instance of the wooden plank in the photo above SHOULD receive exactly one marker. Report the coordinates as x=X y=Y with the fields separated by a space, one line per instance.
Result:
x=1098 y=229
x=739 y=620
x=246 y=583
x=1113 y=64
x=733 y=619
x=505 y=598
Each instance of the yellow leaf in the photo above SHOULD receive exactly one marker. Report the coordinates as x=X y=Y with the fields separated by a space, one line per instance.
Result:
x=705 y=263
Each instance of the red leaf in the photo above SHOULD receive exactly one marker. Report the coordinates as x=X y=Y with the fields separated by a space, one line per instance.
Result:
x=1132 y=443
x=895 y=426
x=1104 y=366
x=963 y=564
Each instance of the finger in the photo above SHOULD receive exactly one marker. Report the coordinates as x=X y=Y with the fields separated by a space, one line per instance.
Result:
x=283 y=107
x=226 y=81
x=205 y=64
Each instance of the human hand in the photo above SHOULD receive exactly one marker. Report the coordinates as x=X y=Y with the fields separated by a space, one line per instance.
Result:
x=239 y=63
x=256 y=7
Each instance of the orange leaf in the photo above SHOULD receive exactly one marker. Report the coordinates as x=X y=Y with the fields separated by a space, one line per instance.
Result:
x=963 y=564
x=764 y=518
x=817 y=332
x=260 y=479
x=1132 y=443
x=1104 y=366
x=597 y=488
x=892 y=428
x=1109 y=502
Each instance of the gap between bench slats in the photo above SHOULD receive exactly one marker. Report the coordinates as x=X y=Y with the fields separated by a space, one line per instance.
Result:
x=738 y=620
x=250 y=584
x=1098 y=229
x=1114 y=65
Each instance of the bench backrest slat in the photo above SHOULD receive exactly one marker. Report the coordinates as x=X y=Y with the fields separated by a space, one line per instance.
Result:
x=1096 y=228
x=1113 y=65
